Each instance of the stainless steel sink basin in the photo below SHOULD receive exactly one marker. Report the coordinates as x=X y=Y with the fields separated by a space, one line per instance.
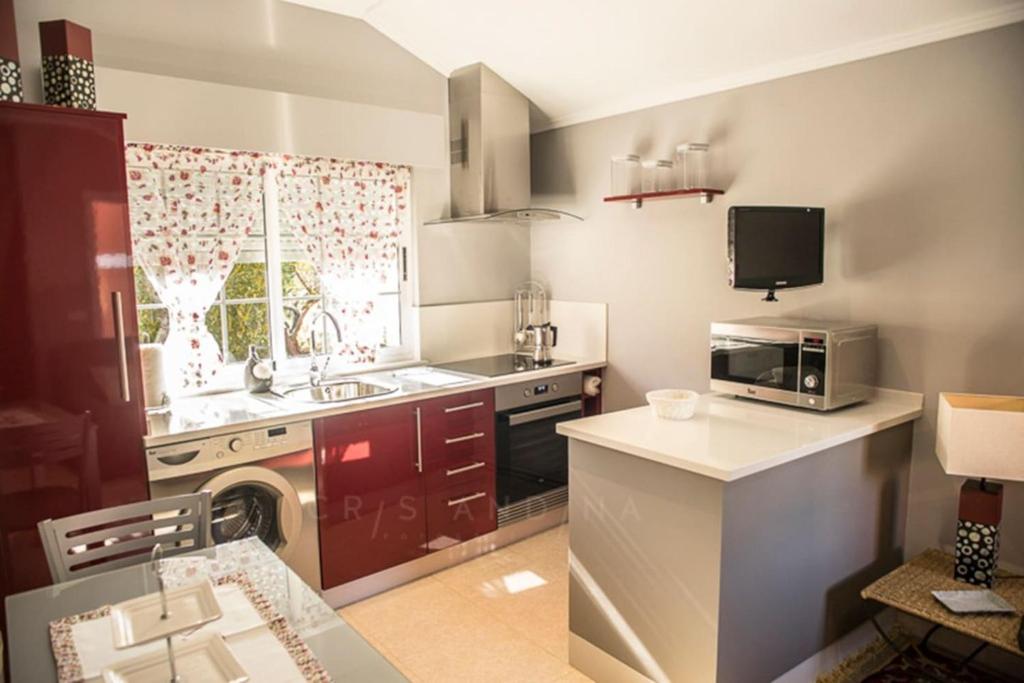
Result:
x=338 y=390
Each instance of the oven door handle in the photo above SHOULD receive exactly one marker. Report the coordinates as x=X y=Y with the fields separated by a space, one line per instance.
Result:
x=517 y=419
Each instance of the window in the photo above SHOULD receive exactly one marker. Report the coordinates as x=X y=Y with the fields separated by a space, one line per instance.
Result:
x=293 y=248
x=238 y=318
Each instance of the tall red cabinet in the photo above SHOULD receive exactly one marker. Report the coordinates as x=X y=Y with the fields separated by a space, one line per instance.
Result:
x=71 y=411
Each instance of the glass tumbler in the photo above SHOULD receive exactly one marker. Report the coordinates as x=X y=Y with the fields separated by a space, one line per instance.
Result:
x=691 y=165
x=625 y=175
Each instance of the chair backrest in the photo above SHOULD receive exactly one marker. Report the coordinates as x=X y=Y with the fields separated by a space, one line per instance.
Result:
x=99 y=541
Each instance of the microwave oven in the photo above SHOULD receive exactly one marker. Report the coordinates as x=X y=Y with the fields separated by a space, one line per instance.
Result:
x=798 y=362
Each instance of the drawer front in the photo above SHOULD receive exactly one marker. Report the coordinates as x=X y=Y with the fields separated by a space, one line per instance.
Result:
x=474 y=473
x=461 y=512
x=458 y=431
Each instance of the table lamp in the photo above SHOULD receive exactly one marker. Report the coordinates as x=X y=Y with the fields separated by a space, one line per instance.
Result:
x=980 y=437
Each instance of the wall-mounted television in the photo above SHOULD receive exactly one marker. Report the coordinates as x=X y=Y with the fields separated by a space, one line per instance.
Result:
x=776 y=247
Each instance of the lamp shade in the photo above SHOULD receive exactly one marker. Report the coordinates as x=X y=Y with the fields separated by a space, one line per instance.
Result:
x=981 y=436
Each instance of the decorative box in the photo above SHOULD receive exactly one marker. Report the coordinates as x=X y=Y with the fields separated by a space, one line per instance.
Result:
x=10 y=69
x=69 y=79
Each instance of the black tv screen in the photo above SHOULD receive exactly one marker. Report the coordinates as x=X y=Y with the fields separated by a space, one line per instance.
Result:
x=776 y=247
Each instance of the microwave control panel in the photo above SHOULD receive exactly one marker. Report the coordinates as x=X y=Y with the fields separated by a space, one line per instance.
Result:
x=812 y=363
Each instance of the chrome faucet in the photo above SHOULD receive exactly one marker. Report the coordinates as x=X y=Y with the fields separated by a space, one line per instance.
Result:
x=316 y=373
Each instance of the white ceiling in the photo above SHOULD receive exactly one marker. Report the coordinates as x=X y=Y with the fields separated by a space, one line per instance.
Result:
x=579 y=60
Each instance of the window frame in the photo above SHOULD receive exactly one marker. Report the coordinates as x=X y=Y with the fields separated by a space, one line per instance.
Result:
x=275 y=300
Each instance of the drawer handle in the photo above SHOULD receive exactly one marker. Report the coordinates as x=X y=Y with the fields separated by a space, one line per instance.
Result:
x=467 y=437
x=465 y=499
x=467 y=468
x=468 y=406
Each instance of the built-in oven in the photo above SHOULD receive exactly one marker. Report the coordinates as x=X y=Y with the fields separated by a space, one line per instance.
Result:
x=532 y=458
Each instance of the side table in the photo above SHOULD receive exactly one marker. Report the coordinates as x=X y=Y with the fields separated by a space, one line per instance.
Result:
x=908 y=588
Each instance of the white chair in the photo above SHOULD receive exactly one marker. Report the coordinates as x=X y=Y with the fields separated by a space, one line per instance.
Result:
x=94 y=542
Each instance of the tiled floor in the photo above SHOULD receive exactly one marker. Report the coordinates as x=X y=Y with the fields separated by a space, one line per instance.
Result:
x=501 y=617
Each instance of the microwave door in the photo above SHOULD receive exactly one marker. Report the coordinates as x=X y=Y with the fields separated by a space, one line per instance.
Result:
x=756 y=362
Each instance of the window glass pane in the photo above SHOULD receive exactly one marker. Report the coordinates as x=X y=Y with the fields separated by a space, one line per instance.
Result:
x=299 y=278
x=298 y=315
x=153 y=325
x=213 y=324
x=247 y=281
x=389 y=310
x=144 y=292
x=247 y=324
x=248 y=278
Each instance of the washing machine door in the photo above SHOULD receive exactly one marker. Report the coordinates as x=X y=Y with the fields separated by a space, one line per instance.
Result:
x=255 y=501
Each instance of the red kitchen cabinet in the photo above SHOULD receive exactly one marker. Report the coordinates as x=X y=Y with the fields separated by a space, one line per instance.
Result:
x=395 y=483
x=71 y=414
x=369 y=492
x=458 y=467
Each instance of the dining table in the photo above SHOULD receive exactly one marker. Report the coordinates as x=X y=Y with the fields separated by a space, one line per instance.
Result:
x=342 y=652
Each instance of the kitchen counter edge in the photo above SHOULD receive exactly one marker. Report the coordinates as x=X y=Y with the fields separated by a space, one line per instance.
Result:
x=296 y=412
x=901 y=407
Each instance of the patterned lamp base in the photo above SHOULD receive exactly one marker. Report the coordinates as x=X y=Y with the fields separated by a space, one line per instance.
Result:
x=977 y=551
x=69 y=79
x=10 y=81
x=977 y=532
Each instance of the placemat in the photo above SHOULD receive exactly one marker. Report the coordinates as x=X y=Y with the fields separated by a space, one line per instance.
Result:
x=69 y=665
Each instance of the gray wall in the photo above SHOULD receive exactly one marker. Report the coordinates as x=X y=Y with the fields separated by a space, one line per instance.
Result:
x=918 y=157
x=284 y=48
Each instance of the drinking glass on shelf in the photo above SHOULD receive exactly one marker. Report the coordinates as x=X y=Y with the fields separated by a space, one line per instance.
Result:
x=691 y=168
x=664 y=179
x=625 y=175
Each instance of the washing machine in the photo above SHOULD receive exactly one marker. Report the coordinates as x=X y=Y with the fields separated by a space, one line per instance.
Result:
x=263 y=483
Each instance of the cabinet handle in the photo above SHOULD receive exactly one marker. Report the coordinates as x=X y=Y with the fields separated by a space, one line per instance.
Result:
x=467 y=468
x=122 y=346
x=452 y=502
x=468 y=406
x=467 y=437
x=419 y=441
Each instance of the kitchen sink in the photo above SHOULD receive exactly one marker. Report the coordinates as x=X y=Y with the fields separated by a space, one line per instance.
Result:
x=336 y=391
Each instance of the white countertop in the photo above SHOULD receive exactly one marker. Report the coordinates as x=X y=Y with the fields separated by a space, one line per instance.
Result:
x=729 y=438
x=200 y=417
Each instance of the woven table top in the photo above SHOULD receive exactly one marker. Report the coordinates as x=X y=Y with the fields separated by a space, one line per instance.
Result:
x=909 y=589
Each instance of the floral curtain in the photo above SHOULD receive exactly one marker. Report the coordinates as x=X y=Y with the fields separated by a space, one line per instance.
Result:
x=190 y=210
x=349 y=217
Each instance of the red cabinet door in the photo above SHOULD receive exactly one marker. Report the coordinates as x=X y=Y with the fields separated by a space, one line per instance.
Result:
x=458 y=467
x=369 y=492
x=71 y=415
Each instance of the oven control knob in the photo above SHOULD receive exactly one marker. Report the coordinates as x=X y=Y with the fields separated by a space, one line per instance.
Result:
x=811 y=381
x=527 y=393
x=235 y=445
x=554 y=387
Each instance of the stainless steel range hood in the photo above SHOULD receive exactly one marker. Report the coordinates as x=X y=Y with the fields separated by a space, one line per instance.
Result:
x=489 y=133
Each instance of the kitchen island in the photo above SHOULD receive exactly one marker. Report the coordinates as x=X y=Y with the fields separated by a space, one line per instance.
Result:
x=731 y=546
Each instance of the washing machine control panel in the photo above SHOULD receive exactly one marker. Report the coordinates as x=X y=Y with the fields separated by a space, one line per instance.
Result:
x=215 y=452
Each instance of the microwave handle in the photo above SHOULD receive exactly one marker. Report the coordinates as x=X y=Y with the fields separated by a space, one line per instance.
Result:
x=769 y=342
x=517 y=419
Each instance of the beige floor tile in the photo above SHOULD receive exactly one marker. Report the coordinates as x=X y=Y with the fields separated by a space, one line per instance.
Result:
x=551 y=544
x=502 y=617
x=574 y=676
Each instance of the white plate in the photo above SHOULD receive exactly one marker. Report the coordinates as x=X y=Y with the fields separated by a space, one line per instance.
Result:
x=138 y=621
x=207 y=659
